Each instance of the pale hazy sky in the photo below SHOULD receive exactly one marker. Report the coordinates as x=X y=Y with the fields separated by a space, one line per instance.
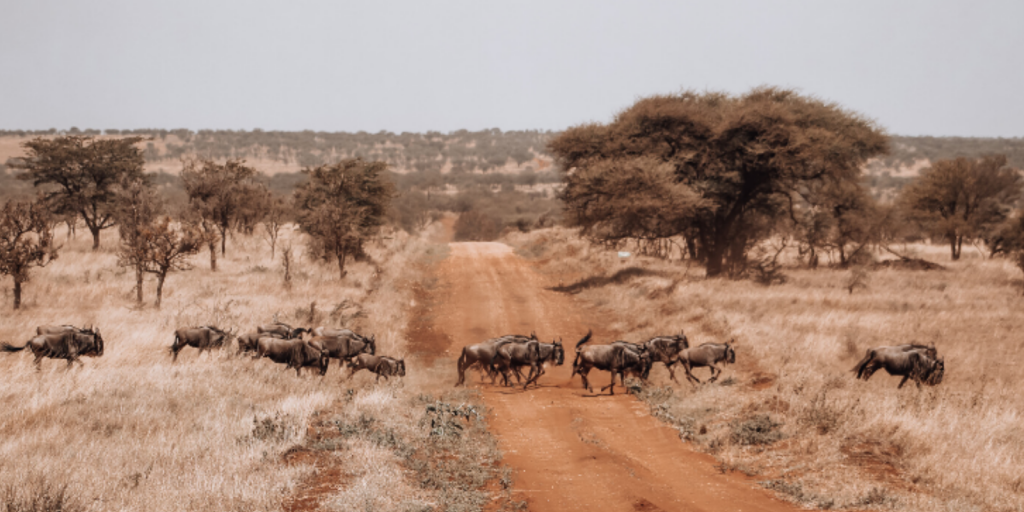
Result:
x=917 y=67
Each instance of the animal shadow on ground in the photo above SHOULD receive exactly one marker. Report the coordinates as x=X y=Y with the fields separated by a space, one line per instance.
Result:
x=597 y=281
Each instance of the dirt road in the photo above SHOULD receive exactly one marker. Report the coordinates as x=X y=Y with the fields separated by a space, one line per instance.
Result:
x=570 y=450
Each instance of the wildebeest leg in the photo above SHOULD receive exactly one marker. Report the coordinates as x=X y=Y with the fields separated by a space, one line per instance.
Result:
x=671 y=371
x=611 y=387
x=583 y=375
x=535 y=373
x=689 y=374
x=37 y=362
x=715 y=372
x=904 y=381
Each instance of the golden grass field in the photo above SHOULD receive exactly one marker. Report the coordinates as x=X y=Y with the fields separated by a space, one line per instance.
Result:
x=132 y=431
x=846 y=443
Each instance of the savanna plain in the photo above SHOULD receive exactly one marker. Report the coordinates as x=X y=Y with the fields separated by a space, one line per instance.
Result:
x=133 y=431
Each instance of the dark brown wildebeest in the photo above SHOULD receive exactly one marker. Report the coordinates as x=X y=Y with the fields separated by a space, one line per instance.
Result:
x=666 y=349
x=296 y=353
x=69 y=345
x=643 y=371
x=206 y=337
x=281 y=330
x=514 y=355
x=617 y=359
x=707 y=354
x=345 y=344
x=481 y=354
x=917 y=362
x=383 y=366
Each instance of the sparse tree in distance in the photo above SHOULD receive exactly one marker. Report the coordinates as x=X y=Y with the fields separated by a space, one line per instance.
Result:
x=216 y=193
x=276 y=215
x=80 y=175
x=26 y=241
x=962 y=199
x=137 y=208
x=168 y=248
x=342 y=206
x=720 y=168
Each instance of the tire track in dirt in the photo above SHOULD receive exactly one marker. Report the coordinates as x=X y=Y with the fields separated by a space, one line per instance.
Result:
x=570 y=450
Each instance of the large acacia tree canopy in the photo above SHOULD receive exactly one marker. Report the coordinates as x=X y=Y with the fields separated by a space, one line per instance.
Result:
x=710 y=165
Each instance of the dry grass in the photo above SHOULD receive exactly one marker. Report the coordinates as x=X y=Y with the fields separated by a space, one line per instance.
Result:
x=131 y=431
x=842 y=442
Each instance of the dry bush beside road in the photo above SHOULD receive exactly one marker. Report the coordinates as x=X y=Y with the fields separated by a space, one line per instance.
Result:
x=840 y=442
x=132 y=431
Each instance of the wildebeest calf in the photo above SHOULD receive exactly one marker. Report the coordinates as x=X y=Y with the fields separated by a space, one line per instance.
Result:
x=383 y=366
x=206 y=337
x=295 y=352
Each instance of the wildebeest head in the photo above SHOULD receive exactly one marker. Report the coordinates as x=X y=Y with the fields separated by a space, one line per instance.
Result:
x=371 y=345
x=646 y=363
x=559 y=351
x=297 y=332
x=730 y=354
x=401 y=368
x=90 y=342
x=683 y=341
x=325 y=359
x=933 y=370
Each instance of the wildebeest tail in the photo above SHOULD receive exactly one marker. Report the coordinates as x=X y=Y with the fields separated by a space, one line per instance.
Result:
x=583 y=340
x=859 y=369
x=7 y=347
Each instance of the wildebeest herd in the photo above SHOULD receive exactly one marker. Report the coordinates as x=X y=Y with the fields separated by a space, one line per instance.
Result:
x=509 y=355
x=505 y=357
x=297 y=348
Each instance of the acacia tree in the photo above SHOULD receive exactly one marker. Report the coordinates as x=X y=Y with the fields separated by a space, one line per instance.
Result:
x=961 y=199
x=137 y=207
x=715 y=168
x=217 y=193
x=79 y=175
x=342 y=206
x=26 y=241
x=168 y=247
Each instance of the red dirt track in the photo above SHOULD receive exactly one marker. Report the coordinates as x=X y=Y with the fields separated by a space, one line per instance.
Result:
x=570 y=450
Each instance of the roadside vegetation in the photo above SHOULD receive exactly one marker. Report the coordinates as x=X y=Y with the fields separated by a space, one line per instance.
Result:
x=790 y=412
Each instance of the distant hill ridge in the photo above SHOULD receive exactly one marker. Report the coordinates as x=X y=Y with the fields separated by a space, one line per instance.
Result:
x=462 y=151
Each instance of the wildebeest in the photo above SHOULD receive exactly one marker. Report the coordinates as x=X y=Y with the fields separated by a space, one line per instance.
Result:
x=665 y=349
x=511 y=355
x=67 y=344
x=204 y=338
x=643 y=371
x=383 y=366
x=481 y=354
x=918 y=362
x=614 y=358
x=707 y=354
x=509 y=358
x=281 y=330
x=295 y=352
x=344 y=344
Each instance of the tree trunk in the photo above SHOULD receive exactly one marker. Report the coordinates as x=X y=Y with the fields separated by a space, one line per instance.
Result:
x=138 y=285
x=17 y=293
x=341 y=265
x=954 y=253
x=213 y=256
x=223 y=240
x=95 y=237
x=714 y=259
x=160 y=287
